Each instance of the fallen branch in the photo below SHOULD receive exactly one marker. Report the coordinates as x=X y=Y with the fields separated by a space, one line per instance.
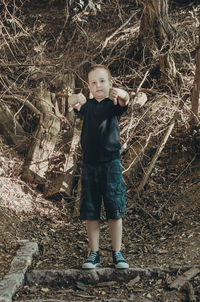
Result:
x=25 y=102
x=135 y=103
x=138 y=154
x=195 y=96
x=160 y=148
x=139 y=100
x=69 y=276
x=181 y=280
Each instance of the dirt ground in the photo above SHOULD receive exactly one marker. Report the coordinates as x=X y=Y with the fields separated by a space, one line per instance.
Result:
x=161 y=229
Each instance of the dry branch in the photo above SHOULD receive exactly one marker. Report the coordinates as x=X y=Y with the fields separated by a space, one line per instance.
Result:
x=180 y=281
x=11 y=128
x=66 y=277
x=160 y=148
x=115 y=33
x=155 y=157
x=195 y=98
x=139 y=149
x=139 y=100
x=142 y=145
x=25 y=102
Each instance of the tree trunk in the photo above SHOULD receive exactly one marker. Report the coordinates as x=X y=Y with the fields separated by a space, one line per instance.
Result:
x=63 y=181
x=11 y=129
x=195 y=98
x=155 y=28
x=155 y=34
x=37 y=160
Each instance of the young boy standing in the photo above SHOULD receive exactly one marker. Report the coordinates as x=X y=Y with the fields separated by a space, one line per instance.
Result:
x=102 y=170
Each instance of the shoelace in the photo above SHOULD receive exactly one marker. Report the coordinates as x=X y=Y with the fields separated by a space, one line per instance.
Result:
x=118 y=256
x=92 y=257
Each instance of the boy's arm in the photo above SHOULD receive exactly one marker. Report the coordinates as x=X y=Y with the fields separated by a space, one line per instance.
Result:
x=76 y=101
x=120 y=95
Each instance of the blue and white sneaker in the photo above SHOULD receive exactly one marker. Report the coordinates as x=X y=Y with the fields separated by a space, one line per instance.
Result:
x=92 y=261
x=119 y=261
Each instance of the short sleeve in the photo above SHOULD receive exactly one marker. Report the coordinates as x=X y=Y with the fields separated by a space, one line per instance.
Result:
x=82 y=110
x=119 y=110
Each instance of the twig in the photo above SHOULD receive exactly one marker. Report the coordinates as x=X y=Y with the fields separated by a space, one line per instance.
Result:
x=115 y=33
x=179 y=282
x=25 y=102
x=138 y=89
x=145 y=76
x=160 y=148
x=137 y=155
x=170 y=196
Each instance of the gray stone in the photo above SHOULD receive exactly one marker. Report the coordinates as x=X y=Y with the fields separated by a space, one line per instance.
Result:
x=14 y=279
x=66 y=277
x=4 y=299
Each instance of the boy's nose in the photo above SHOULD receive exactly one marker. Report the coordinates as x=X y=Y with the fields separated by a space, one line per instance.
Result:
x=98 y=84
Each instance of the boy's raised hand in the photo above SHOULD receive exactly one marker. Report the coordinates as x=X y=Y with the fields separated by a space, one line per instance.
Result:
x=120 y=95
x=77 y=100
x=113 y=95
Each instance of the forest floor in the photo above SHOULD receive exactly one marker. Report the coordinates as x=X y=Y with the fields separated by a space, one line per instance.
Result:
x=161 y=229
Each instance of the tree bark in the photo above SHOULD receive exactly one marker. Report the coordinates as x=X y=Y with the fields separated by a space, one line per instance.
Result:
x=11 y=129
x=155 y=28
x=181 y=280
x=195 y=98
x=63 y=182
x=155 y=34
x=44 y=139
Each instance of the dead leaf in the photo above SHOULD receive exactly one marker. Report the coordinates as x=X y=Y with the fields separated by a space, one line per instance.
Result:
x=134 y=281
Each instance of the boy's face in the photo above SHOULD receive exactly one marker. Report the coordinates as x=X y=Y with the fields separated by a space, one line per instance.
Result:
x=99 y=83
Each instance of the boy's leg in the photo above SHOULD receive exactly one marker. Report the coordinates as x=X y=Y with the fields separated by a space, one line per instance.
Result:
x=115 y=227
x=93 y=232
x=90 y=209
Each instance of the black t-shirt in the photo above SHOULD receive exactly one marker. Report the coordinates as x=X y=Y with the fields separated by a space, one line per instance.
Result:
x=100 y=136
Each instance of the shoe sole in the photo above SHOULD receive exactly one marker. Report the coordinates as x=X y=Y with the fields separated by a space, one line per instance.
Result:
x=90 y=266
x=121 y=266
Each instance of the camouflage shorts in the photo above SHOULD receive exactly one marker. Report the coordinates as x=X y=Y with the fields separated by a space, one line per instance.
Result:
x=102 y=182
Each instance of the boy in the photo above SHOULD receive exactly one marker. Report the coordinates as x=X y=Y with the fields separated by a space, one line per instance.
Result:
x=102 y=170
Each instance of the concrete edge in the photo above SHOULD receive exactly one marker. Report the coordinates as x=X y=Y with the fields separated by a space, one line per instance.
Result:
x=14 y=279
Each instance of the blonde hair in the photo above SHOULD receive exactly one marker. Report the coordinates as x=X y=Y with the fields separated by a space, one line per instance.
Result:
x=96 y=66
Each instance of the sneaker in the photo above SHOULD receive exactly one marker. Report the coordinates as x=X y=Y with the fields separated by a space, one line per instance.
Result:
x=119 y=261
x=92 y=261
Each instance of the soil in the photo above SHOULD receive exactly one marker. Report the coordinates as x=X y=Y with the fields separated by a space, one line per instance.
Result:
x=161 y=229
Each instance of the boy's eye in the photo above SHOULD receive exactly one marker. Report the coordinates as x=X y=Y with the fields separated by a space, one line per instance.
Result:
x=102 y=81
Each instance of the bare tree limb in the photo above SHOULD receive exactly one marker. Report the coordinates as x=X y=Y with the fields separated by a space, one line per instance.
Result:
x=160 y=148
x=115 y=33
x=25 y=102
x=180 y=281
